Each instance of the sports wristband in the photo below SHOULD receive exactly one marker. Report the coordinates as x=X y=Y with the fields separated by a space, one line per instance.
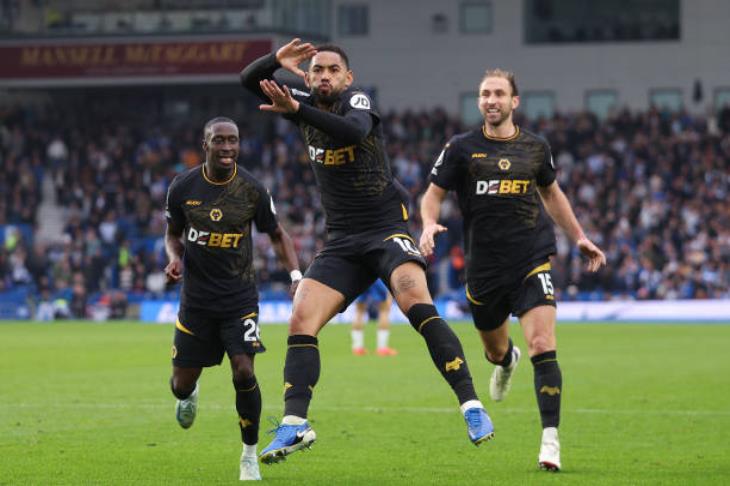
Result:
x=295 y=275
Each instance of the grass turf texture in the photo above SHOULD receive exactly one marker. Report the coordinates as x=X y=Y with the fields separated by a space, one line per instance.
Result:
x=84 y=403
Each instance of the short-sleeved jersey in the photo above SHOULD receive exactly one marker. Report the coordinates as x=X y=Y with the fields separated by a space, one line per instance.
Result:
x=505 y=225
x=218 y=274
x=356 y=182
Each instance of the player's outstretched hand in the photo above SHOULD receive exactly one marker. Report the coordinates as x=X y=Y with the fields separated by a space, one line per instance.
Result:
x=426 y=243
x=595 y=256
x=281 y=98
x=173 y=271
x=291 y=55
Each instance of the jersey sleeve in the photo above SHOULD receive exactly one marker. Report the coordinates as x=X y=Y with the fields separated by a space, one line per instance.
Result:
x=546 y=174
x=358 y=100
x=173 y=206
x=446 y=171
x=265 y=217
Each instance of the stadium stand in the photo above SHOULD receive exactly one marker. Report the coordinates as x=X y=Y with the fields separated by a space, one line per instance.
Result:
x=82 y=200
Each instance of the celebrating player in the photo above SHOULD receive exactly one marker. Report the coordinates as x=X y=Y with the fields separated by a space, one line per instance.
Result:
x=500 y=173
x=368 y=237
x=210 y=209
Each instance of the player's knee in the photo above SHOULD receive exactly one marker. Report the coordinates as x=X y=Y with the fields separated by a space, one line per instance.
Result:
x=181 y=387
x=540 y=343
x=243 y=372
x=496 y=354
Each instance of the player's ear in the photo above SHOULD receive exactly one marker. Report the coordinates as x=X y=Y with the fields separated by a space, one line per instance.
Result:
x=515 y=102
x=349 y=78
x=306 y=80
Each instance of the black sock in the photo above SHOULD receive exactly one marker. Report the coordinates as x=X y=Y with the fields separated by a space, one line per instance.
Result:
x=301 y=372
x=507 y=360
x=548 y=387
x=445 y=349
x=181 y=394
x=248 y=406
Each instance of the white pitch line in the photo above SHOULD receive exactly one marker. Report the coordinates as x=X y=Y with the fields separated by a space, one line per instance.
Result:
x=424 y=410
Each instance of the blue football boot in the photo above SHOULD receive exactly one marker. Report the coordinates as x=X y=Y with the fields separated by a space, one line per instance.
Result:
x=288 y=439
x=479 y=425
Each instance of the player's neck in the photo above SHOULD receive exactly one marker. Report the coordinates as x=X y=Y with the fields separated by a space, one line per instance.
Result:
x=219 y=176
x=504 y=130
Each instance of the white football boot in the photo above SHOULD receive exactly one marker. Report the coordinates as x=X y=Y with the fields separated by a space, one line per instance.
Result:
x=185 y=410
x=549 y=458
x=501 y=381
x=250 y=468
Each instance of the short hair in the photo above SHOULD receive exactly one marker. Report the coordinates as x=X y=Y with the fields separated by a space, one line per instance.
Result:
x=219 y=119
x=501 y=73
x=336 y=50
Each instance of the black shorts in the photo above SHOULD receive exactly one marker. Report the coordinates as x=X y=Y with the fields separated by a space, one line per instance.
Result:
x=350 y=263
x=491 y=308
x=201 y=340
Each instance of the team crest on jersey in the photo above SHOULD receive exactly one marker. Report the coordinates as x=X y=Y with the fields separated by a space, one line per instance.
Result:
x=216 y=214
x=360 y=101
x=504 y=164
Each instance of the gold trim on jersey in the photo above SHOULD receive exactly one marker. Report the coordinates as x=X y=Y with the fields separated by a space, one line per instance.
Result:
x=205 y=176
x=184 y=329
x=541 y=268
x=405 y=212
x=501 y=139
x=248 y=316
x=470 y=298
x=400 y=235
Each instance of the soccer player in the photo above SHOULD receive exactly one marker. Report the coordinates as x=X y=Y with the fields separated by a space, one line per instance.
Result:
x=210 y=209
x=365 y=210
x=500 y=174
x=378 y=294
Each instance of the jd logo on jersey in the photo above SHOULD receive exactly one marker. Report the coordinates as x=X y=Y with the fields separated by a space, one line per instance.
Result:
x=216 y=214
x=504 y=164
x=360 y=101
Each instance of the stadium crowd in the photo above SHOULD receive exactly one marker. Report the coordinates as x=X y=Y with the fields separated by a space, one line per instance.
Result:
x=650 y=188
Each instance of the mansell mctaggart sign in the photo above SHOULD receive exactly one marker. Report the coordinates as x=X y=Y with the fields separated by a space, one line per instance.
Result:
x=138 y=59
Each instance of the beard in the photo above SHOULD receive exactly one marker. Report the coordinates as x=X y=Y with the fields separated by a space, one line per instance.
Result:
x=326 y=100
x=503 y=116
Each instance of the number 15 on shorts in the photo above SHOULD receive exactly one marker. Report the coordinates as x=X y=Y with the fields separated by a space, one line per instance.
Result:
x=547 y=283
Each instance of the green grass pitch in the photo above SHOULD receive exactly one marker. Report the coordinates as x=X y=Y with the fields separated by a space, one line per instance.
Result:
x=86 y=403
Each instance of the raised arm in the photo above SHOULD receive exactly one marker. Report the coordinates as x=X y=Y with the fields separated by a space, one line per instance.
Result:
x=352 y=128
x=289 y=57
x=559 y=208
x=286 y=254
x=430 y=211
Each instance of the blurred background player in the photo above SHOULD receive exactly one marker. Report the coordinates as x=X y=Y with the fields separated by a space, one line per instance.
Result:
x=500 y=175
x=376 y=295
x=210 y=211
